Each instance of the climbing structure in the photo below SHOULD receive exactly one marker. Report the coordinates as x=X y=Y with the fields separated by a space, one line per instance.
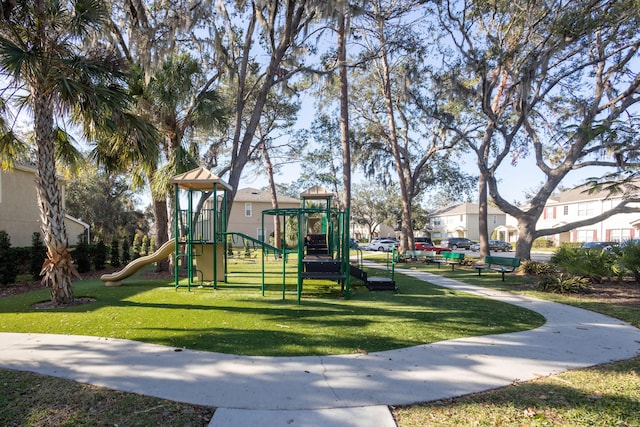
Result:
x=200 y=233
x=323 y=239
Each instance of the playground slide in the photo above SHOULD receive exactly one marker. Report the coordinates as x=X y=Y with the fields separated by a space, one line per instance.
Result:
x=114 y=279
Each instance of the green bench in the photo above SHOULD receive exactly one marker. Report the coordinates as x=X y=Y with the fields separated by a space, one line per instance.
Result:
x=428 y=256
x=451 y=258
x=500 y=264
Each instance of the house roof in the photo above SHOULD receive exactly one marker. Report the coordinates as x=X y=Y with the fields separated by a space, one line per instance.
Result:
x=255 y=195
x=199 y=179
x=32 y=169
x=581 y=193
x=464 y=208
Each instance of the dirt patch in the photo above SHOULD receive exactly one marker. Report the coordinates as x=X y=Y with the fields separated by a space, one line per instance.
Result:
x=48 y=305
x=625 y=293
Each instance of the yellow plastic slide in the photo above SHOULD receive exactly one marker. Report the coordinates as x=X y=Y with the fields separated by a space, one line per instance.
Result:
x=114 y=279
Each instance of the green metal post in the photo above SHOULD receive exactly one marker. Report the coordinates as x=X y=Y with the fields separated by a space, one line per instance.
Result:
x=176 y=235
x=263 y=257
x=189 y=243
x=300 y=253
x=346 y=248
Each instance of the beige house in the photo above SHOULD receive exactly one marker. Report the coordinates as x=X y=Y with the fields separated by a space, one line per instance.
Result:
x=246 y=212
x=461 y=220
x=578 y=204
x=19 y=212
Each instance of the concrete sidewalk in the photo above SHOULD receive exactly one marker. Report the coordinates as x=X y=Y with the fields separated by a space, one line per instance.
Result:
x=340 y=391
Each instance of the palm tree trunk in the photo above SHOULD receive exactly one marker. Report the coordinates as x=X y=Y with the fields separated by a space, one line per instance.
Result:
x=58 y=269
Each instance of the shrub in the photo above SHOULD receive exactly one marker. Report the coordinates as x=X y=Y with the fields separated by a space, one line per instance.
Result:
x=115 y=253
x=629 y=259
x=144 y=250
x=100 y=256
x=37 y=256
x=536 y=268
x=82 y=257
x=542 y=243
x=592 y=263
x=563 y=283
x=136 y=246
x=126 y=255
x=22 y=260
x=8 y=271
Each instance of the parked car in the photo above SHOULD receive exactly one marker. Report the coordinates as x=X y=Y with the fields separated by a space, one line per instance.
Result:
x=454 y=243
x=420 y=246
x=632 y=241
x=380 y=245
x=494 y=245
x=353 y=243
x=499 y=245
x=422 y=240
x=605 y=246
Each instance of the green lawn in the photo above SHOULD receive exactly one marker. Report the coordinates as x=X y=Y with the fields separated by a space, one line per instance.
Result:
x=153 y=311
x=236 y=318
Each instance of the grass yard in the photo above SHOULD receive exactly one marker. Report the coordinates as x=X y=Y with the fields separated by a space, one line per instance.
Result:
x=153 y=311
x=606 y=395
x=237 y=319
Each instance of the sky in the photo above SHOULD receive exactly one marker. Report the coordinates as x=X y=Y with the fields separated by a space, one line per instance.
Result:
x=514 y=181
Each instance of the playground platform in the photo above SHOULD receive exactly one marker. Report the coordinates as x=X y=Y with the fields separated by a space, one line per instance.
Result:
x=333 y=391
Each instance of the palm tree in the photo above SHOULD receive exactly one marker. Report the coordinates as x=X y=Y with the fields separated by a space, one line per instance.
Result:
x=50 y=68
x=185 y=110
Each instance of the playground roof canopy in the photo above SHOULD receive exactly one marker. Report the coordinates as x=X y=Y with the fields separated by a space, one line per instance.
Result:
x=199 y=179
x=316 y=193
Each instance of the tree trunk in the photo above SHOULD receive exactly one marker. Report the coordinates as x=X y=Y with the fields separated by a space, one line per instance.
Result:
x=58 y=269
x=344 y=115
x=483 y=210
x=393 y=141
x=162 y=230
x=277 y=236
x=526 y=236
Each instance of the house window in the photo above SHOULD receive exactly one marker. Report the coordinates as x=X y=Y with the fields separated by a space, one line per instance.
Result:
x=260 y=234
x=565 y=210
x=248 y=209
x=620 y=235
x=549 y=212
x=585 y=235
x=460 y=218
x=585 y=209
x=436 y=221
x=495 y=219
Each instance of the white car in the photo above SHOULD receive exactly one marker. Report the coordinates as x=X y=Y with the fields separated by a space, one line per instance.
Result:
x=383 y=245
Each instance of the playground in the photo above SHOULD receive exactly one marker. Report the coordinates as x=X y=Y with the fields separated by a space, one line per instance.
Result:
x=202 y=247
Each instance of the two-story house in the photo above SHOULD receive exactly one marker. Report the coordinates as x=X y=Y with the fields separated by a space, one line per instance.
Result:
x=19 y=211
x=578 y=204
x=461 y=220
x=246 y=212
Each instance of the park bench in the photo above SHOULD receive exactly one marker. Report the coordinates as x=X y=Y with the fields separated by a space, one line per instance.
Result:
x=451 y=258
x=427 y=256
x=500 y=264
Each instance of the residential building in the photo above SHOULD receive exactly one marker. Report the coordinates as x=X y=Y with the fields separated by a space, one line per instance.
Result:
x=578 y=204
x=246 y=212
x=19 y=211
x=462 y=220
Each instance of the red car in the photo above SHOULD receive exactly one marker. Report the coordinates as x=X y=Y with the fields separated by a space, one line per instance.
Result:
x=429 y=247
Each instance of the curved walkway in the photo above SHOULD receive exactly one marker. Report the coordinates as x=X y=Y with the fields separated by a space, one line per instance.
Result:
x=346 y=390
